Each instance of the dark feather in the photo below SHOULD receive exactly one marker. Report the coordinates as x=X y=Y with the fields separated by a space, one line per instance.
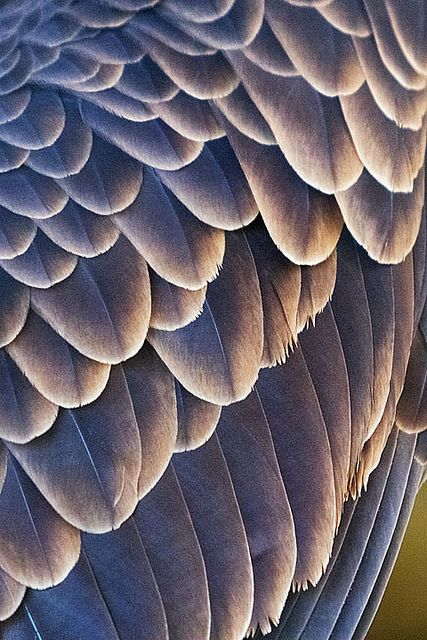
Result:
x=80 y=231
x=177 y=245
x=109 y=181
x=325 y=57
x=315 y=141
x=94 y=312
x=39 y=125
x=217 y=356
x=151 y=142
x=197 y=419
x=393 y=155
x=70 y=152
x=152 y=390
x=24 y=412
x=38 y=351
x=14 y=306
x=218 y=525
x=90 y=480
x=42 y=265
x=214 y=187
x=175 y=556
x=30 y=194
x=173 y=307
x=38 y=548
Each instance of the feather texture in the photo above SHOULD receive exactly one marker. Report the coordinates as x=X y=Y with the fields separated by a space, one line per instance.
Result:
x=227 y=350
x=242 y=183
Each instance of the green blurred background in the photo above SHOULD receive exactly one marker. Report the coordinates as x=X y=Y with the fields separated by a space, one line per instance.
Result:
x=403 y=611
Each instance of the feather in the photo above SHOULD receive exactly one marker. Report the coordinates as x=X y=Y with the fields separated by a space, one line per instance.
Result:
x=214 y=187
x=301 y=442
x=80 y=231
x=169 y=32
x=291 y=296
x=70 y=67
x=405 y=107
x=109 y=181
x=14 y=104
x=39 y=125
x=386 y=224
x=317 y=287
x=91 y=309
x=110 y=47
x=205 y=11
x=61 y=28
x=304 y=223
x=39 y=551
x=378 y=540
x=232 y=30
x=200 y=76
x=16 y=234
x=18 y=75
x=43 y=56
x=70 y=152
x=217 y=356
x=403 y=296
x=324 y=357
x=14 y=306
x=314 y=613
x=419 y=255
x=280 y=284
x=310 y=3
x=153 y=142
x=325 y=57
x=266 y=52
x=218 y=524
x=408 y=24
x=388 y=45
x=42 y=265
x=133 y=598
x=151 y=387
x=173 y=307
x=392 y=155
x=90 y=480
x=175 y=556
x=28 y=193
x=404 y=301
x=105 y=78
x=11 y=595
x=392 y=551
x=132 y=5
x=421 y=451
x=38 y=351
x=197 y=419
x=352 y=317
x=119 y=104
x=246 y=441
x=315 y=141
x=9 y=41
x=24 y=412
x=47 y=613
x=9 y=58
x=411 y=413
x=99 y=15
x=242 y=113
x=188 y=116
x=177 y=245
x=11 y=157
x=146 y=82
x=350 y=17
x=378 y=281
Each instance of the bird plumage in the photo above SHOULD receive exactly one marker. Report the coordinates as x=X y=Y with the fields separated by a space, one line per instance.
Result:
x=212 y=314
